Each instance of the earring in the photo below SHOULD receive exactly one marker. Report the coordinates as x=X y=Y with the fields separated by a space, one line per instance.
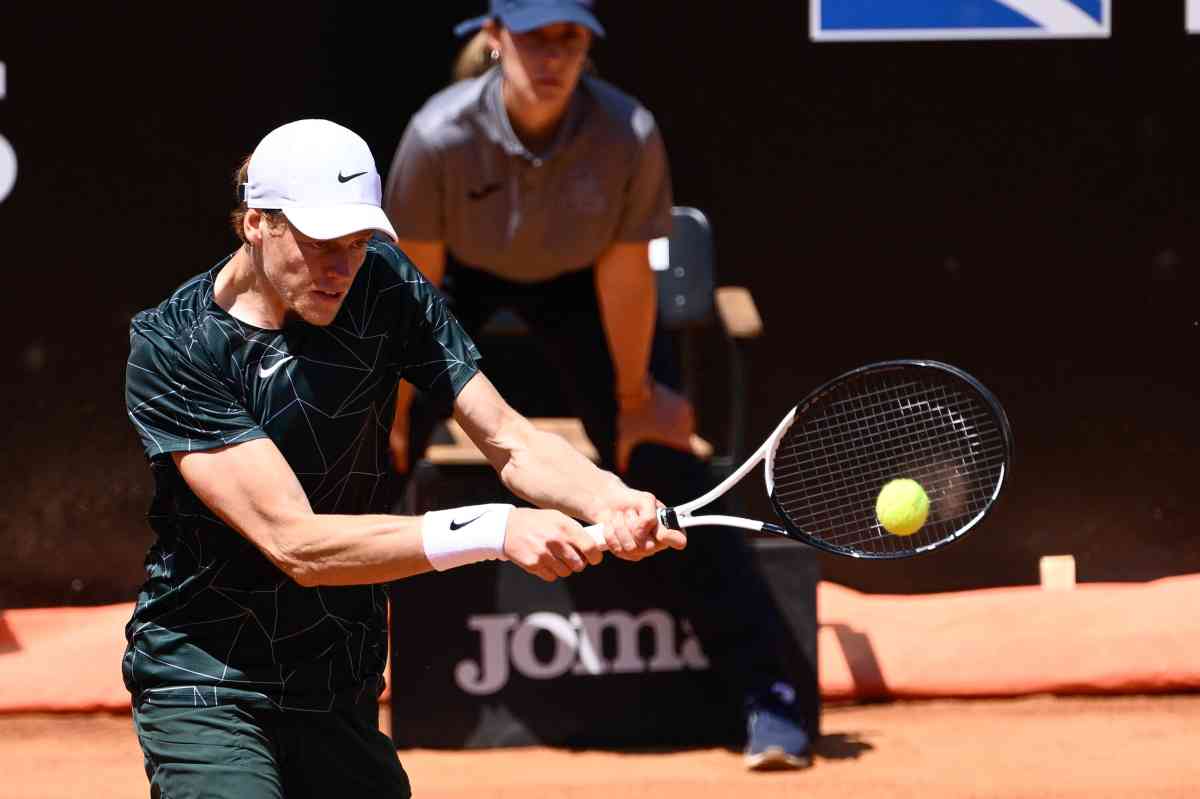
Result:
x=494 y=54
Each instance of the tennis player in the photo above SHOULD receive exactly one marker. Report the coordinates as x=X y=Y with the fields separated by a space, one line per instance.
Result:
x=532 y=185
x=263 y=391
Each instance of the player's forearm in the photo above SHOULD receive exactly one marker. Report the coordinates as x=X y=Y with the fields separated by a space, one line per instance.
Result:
x=628 y=298
x=537 y=466
x=544 y=469
x=334 y=549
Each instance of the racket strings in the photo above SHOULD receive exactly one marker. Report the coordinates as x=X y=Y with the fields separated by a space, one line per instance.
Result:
x=824 y=456
x=846 y=515
x=884 y=461
x=829 y=468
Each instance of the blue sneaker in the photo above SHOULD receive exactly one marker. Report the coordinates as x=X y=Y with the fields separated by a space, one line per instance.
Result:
x=775 y=737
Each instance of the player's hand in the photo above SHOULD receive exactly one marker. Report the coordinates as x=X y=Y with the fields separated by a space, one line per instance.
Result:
x=548 y=544
x=398 y=446
x=631 y=528
x=660 y=416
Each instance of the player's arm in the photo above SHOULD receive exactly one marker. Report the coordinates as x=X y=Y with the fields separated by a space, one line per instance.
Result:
x=253 y=489
x=628 y=296
x=430 y=258
x=546 y=470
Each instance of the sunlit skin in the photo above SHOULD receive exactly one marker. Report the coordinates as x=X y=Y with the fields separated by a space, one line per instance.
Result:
x=541 y=69
x=283 y=274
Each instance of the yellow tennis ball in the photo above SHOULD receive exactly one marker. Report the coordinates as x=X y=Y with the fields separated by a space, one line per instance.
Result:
x=902 y=506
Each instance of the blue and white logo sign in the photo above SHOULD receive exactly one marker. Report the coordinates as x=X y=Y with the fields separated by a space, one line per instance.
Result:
x=1193 y=16
x=923 y=20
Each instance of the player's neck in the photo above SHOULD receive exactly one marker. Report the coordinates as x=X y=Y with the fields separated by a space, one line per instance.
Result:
x=245 y=293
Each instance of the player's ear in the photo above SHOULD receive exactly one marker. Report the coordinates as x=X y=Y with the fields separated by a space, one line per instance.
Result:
x=252 y=226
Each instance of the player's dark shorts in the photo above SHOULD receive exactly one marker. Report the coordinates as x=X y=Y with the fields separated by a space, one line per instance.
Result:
x=233 y=751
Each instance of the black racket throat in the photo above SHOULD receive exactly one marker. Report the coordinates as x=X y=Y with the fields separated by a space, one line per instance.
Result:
x=668 y=518
x=769 y=527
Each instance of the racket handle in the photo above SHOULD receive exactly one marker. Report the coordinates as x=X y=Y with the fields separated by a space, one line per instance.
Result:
x=596 y=531
x=666 y=517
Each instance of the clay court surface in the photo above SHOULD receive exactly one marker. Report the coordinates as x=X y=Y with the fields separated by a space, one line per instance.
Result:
x=1041 y=747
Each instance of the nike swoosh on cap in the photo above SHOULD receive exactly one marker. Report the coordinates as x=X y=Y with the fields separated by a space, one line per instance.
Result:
x=345 y=178
x=267 y=371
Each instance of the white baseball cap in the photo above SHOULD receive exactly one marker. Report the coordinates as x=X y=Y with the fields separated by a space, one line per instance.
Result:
x=321 y=175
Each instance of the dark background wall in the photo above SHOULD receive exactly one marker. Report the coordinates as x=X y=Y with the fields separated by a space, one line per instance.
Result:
x=1026 y=210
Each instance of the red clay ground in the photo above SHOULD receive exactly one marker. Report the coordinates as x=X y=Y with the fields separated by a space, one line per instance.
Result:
x=1036 y=748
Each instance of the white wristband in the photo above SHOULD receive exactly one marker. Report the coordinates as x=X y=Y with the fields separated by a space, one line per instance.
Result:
x=469 y=534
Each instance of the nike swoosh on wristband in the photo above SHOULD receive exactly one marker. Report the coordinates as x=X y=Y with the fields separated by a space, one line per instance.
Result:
x=344 y=179
x=454 y=525
x=267 y=371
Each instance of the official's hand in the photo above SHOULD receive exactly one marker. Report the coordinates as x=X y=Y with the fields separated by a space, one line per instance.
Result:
x=631 y=528
x=548 y=544
x=661 y=416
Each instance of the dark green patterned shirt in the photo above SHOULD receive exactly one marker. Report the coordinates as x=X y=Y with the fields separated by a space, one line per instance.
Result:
x=216 y=621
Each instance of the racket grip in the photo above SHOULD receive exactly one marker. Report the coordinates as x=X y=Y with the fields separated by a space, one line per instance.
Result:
x=666 y=517
x=596 y=531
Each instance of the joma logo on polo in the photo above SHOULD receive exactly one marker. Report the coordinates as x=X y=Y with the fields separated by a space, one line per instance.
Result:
x=577 y=646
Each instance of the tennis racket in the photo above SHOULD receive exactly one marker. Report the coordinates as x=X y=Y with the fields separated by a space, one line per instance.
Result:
x=827 y=461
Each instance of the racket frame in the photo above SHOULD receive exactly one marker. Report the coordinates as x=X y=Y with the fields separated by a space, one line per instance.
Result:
x=818 y=394
x=680 y=517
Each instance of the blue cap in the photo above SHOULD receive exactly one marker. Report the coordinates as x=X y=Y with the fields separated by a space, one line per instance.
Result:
x=522 y=16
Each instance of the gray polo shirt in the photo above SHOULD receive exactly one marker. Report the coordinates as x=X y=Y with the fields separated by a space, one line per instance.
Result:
x=461 y=176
